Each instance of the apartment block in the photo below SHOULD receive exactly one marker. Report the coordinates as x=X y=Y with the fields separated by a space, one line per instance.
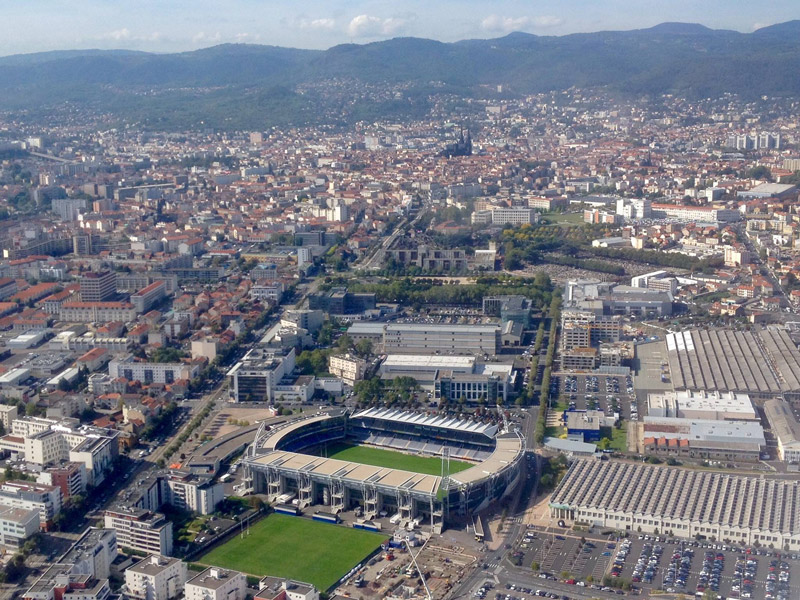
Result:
x=140 y=529
x=156 y=578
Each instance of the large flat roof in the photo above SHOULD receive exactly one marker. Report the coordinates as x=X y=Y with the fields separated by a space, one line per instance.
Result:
x=429 y=360
x=438 y=327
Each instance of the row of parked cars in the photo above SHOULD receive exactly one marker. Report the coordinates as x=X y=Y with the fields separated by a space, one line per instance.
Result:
x=678 y=570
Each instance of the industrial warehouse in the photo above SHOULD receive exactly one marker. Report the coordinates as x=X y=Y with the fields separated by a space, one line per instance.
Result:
x=681 y=502
x=276 y=465
x=764 y=364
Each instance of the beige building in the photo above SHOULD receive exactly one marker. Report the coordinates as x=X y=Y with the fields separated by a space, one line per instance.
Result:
x=216 y=584
x=785 y=428
x=347 y=367
x=156 y=578
x=7 y=415
x=16 y=525
x=140 y=529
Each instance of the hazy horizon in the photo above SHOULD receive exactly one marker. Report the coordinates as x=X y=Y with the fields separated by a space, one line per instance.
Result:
x=154 y=26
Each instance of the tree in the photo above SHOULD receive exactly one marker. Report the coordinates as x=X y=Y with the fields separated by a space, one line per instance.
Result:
x=345 y=342
x=535 y=566
x=364 y=348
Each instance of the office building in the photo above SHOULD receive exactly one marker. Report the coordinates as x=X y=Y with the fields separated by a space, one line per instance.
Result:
x=256 y=377
x=156 y=578
x=701 y=404
x=338 y=301
x=413 y=338
x=98 y=287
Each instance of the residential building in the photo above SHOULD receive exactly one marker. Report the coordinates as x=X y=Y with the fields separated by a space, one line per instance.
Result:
x=8 y=412
x=97 y=312
x=156 y=578
x=45 y=499
x=275 y=588
x=140 y=529
x=149 y=296
x=134 y=370
x=195 y=493
x=92 y=553
x=216 y=584
x=59 y=582
x=347 y=367
x=17 y=525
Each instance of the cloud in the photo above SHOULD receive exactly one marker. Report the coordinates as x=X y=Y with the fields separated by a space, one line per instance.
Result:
x=125 y=35
x=201 y=37
x=247 y=38
x=364 y=26
x=317 y=24
x=507 y=24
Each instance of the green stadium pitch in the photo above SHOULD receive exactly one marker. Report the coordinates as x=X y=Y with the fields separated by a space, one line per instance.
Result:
x=296 y=548
x=390 y=459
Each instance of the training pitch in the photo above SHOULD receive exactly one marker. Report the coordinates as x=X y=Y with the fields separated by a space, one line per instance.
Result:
x=378 y=457
x=296 y=548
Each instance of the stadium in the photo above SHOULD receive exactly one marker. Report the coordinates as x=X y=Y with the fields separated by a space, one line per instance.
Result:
x=282 y=462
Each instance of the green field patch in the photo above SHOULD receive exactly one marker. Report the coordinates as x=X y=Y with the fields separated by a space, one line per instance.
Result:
x=390 y=459
x=296 y=548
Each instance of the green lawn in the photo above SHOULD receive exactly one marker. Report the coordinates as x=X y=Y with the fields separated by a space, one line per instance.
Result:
x=618 y=437
x=296 y=548
x=554 y=431
x=563 y=219
x=378 y=457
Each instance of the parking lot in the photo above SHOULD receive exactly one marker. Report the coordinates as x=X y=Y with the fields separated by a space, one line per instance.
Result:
x=609 y=393
x=658 y=563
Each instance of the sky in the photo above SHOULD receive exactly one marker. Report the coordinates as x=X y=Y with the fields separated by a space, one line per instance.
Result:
x=179 y=25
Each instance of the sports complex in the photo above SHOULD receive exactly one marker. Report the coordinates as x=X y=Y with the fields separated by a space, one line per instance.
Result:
x=428 y=469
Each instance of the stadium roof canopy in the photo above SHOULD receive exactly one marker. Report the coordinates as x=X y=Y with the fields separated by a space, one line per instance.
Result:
x=411 y=418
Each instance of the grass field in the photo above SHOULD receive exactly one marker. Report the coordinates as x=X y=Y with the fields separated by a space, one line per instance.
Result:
x=378 y=457
x=296 y=548
x=563 y=219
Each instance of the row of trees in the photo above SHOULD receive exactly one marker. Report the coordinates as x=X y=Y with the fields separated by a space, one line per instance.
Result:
x=554 y=312
x=417 y=293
